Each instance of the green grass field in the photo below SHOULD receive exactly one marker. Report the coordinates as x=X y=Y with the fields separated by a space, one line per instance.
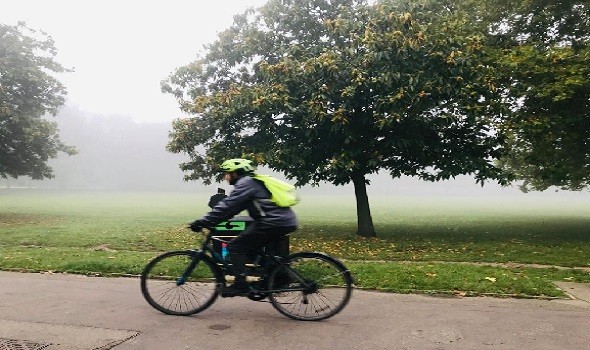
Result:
x=113 y=233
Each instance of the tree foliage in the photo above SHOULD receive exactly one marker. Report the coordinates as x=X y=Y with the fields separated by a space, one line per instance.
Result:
x=28 y=92
x=543 y=55
x=335 y=90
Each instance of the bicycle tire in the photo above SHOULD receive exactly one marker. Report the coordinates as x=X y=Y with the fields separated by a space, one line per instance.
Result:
x=332 y=289
x=163 y=287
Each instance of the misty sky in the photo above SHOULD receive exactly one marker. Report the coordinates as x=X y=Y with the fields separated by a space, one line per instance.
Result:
x=121 y=50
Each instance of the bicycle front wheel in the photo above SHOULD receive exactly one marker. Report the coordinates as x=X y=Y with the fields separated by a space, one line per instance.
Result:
x=314 y=286
x=180 y=283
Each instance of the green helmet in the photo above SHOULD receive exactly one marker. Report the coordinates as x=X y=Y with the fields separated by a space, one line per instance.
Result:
x=239 y=165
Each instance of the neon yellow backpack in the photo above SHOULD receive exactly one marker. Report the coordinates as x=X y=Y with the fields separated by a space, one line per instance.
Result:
x=282 y=193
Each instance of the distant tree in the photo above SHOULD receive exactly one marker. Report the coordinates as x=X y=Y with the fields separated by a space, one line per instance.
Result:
x=28 y=92
x=543 y=58
x=115 y=153
x=336 y=90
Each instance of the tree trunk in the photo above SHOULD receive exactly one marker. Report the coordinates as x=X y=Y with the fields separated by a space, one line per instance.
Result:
x=363 y=212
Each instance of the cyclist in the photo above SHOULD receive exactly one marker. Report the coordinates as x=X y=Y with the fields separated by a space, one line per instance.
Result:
x=271 y=222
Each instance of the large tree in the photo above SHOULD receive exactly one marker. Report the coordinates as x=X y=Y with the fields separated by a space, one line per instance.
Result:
x=543 y=56
x=28 y=92
x=336 y=90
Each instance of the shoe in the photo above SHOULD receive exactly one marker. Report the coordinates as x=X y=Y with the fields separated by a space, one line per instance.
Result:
x=234 y=289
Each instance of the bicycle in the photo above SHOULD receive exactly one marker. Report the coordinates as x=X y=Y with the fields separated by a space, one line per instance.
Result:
x=307 y=286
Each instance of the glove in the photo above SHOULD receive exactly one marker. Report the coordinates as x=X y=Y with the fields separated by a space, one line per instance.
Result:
x=196 y=225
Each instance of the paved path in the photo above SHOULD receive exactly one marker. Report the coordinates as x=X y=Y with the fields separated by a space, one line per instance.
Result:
x=77 y=312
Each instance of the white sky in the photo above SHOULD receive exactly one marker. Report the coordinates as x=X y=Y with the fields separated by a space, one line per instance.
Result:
x=122 y=49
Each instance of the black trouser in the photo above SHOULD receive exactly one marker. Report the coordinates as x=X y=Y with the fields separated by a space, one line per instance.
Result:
x=246 y=244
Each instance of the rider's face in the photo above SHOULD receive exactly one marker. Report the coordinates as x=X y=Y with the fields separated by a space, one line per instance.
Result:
x=231 y=178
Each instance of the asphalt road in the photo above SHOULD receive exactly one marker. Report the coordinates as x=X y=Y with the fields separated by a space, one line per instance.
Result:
x=56 y=311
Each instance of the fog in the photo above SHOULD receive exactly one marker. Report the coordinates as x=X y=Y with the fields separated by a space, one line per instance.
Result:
x=116 y=153
x=120 y=50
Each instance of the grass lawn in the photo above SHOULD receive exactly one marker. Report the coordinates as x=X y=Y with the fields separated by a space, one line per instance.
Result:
x=113 y=233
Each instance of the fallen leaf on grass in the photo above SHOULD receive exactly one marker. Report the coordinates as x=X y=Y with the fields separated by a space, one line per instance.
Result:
x=491 y=279
x=459 y=293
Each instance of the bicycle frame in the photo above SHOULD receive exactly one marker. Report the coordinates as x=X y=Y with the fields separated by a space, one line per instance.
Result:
x=199 y=254
x=207 y=250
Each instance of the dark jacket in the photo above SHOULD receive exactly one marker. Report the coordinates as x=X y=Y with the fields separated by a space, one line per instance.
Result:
x=251 y=195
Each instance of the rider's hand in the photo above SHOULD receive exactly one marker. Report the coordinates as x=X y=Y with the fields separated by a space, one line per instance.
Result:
x=196 y=225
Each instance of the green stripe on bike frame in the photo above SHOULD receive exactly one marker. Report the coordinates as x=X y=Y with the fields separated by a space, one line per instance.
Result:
x=231 y=226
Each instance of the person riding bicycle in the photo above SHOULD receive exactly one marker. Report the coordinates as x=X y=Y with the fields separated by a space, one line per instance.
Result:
x=271 y=222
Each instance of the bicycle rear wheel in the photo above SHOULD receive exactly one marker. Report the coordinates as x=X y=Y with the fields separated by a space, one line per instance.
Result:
x=180 y=283
x=321 y=286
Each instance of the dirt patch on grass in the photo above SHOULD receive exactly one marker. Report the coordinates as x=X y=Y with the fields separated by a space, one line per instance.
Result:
x=103 y=248
x=20 y=219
